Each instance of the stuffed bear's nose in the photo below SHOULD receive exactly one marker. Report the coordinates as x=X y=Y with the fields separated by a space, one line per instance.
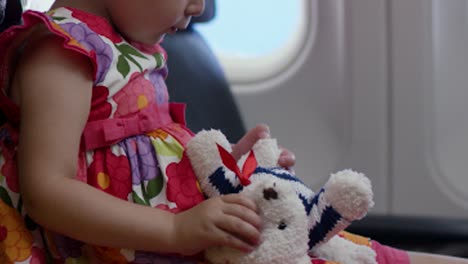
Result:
x=270 y=193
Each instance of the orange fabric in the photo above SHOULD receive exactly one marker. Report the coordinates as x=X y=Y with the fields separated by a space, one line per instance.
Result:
x=360 y=240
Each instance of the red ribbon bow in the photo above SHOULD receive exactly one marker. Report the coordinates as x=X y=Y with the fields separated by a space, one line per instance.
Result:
x=230 y=162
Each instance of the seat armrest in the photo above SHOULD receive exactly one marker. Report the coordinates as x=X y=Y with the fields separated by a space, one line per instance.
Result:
x=435 y=235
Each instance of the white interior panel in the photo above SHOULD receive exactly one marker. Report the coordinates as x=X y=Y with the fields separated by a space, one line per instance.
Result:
x=329 y=118
x=382 y=88
x=447 y=98
x=430 y=73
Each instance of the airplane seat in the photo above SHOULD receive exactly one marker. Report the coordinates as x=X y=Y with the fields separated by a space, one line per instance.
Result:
x=197 y=79
x=446 y=236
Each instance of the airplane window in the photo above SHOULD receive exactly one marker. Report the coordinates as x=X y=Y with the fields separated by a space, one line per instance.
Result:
x=41 y=5
x=252 y=33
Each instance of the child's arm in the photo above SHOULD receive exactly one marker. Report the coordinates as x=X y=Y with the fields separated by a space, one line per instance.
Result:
x=53 y=87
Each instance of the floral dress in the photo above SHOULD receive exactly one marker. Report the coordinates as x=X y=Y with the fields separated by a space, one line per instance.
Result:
x=132 y=146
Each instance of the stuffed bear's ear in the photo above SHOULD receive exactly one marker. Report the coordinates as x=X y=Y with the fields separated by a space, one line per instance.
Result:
x=267 y=153
x=202 y=151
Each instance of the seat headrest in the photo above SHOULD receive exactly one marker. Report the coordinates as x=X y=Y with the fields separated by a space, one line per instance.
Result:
x=209 y=14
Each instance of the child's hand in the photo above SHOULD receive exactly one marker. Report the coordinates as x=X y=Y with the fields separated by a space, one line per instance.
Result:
x=229 y=220
x=286 y=160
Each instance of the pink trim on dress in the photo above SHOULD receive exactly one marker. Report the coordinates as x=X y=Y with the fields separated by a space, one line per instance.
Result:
x=389 y=255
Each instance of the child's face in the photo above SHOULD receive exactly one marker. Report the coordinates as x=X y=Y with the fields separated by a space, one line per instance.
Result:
x=147 y=21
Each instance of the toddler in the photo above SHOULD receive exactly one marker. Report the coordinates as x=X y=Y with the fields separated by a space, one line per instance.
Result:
x=92 y=159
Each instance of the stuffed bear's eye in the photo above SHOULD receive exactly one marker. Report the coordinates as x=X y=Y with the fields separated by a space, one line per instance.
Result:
x=282 y=226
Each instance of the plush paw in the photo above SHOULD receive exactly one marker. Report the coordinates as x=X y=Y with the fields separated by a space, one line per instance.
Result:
x=350 y=194
x=340 y=250
x=267 y=152
x=364 y=255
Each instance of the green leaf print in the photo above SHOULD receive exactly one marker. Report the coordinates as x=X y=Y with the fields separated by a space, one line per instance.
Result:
x=143 y=191
x=154 y=187
x=159 y=59
x=134 y=62
x=123 y=66
x=129 y=50
x=5 y=196
x=138 y=200
x=58 y=18
x=168 y=148
x=80 y=260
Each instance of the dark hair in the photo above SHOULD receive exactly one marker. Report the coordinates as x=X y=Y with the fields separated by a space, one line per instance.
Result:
x=10 y=13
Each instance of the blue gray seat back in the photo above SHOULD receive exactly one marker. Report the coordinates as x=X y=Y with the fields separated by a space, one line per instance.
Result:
x=197 y=79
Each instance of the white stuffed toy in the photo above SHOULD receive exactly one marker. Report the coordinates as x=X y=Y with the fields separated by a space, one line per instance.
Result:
x=297 y=222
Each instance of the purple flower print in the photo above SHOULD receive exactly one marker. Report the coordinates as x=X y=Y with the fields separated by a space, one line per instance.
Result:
x=91 y=40
x=152 y=258
x=142 y=157
x=67 y=247
x=157 y=79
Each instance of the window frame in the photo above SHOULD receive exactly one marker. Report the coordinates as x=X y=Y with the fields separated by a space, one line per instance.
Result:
x=28 y=4
x=262 y=72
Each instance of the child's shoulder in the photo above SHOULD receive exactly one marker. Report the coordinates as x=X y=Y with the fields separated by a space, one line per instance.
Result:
x=38 y=33
x=36 y=64
x=44 y=61
x=40 y=39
